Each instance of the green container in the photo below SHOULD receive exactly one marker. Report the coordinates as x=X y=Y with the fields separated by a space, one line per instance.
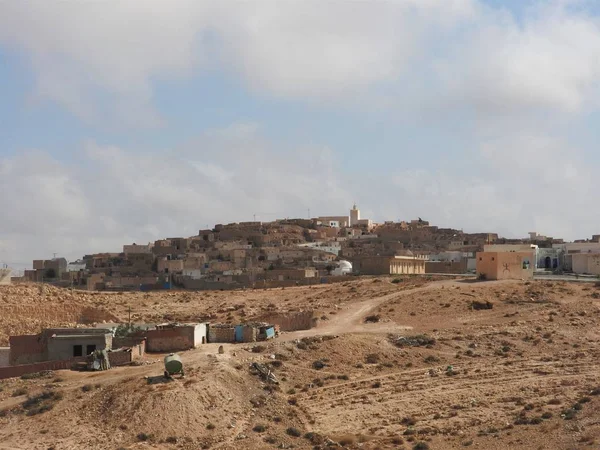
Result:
x=173 y=363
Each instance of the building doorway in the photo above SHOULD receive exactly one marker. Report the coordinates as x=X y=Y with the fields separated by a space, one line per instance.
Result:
x=548 y=262
x=77 y=350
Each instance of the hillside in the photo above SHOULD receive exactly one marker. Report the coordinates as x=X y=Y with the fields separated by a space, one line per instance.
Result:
x=395 y=366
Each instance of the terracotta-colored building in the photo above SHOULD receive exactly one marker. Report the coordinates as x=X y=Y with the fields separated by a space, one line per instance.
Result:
x=506 y=265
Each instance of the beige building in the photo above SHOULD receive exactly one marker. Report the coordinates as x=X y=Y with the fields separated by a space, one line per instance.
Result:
x=407 y=265
x=586 y=263
x=506 y=265
x=137 y=249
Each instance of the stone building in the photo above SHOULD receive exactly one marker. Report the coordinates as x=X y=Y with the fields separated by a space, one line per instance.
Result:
x=55 y=344
x=506 y=265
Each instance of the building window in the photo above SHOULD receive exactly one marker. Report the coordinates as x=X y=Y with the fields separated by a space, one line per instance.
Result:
x=77 y=350
x=493 y=259
x=90 y=349
x=480 y=258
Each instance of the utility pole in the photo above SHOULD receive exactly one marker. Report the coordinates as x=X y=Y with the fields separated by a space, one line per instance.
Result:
x=308 y=214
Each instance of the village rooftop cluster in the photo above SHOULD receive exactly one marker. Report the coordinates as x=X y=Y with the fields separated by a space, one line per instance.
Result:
x=306 y=251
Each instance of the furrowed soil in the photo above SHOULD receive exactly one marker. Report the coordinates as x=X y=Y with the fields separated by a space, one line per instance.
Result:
x=415 y=364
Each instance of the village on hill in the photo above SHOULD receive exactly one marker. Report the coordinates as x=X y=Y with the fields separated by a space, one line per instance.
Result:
x=322 y=333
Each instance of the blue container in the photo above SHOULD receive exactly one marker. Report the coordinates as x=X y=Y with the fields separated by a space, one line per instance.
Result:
x=270 y=333
x=239 y=333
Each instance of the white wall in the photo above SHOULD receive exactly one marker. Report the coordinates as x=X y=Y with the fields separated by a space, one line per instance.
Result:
x=199 y=333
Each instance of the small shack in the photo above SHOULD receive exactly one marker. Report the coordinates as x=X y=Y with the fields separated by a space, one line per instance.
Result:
x=176 y=337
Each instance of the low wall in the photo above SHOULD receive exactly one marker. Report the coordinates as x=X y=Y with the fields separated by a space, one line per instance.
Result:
x=446 y=267
x=120 y=358
x=221 y=334
x=17 y=371
x=4 y=356
x=27 y=349
x=292 y=321
x=137 y=345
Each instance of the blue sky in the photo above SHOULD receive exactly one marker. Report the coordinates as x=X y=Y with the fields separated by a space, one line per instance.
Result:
x=132 y=121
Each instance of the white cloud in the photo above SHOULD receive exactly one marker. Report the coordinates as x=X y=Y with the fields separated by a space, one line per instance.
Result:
x=101 y=59
x=116 y=195
x=548 y=59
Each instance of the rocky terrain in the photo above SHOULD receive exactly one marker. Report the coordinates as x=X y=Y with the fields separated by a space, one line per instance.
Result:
x=411 y=364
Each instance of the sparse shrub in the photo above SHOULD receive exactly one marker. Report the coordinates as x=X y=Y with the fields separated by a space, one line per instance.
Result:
x=270 y=440
x=374 y=318
x=554 y=401
x=432 y=359
x=421 y=446
x=547 y=415
x=19 y=392
x=143 y=437
x=376 y=385
x=277 y=419
x=32 y=376
x=372 y=358
x=258 y=349
x=171 y=440
x=210 y=426
x=294 y=432
x=259 y=429
x=318 y=364
x=302 y=345
x=477 y=305
x=87 y=387
x=343 y=377
x=291 y=391
x=293 y=401
x=585 y=400
x=419 y=340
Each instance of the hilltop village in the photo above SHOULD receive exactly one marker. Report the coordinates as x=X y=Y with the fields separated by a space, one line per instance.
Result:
x=323 y=333
x=301 y=251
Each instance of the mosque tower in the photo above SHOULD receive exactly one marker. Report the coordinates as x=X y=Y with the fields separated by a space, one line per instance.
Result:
x=354 y=215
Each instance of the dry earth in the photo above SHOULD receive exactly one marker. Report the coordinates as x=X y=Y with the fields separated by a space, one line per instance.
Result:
x=524 y=373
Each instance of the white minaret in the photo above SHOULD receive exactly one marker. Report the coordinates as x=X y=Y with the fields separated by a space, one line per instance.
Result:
x=354 y=215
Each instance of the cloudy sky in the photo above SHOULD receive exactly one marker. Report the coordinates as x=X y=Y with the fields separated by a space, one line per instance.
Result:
x=130 y=121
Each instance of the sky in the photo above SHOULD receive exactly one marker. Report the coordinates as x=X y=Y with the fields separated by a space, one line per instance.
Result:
x=130 y=121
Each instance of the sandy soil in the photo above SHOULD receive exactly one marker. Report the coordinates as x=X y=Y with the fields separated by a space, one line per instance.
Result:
x=524 y=374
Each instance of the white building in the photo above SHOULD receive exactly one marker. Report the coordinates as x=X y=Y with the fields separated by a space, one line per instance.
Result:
x=343 y=268
x=328 y=247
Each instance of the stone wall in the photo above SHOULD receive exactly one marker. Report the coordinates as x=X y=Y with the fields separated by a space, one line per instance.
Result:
x=220 y=334
x=4 y=356
x=17 y=371
x=292 y=321
x=458 y=267
x=120 y=358
x=170 y=339
x=27 y=349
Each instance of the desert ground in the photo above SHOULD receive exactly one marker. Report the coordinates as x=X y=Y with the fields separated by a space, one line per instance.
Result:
x=410 y=363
